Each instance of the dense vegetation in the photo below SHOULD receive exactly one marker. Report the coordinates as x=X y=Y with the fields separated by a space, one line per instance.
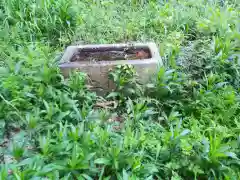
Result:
x=185 y=124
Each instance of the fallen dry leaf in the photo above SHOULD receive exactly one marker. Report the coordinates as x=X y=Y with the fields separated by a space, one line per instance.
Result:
x=142 y=54
x=116 y=119
x=107 y=104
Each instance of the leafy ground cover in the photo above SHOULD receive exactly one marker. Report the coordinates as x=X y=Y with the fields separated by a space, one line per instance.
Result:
x=185 y=124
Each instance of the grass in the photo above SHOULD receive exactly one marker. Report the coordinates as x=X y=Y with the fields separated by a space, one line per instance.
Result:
x=182 y=125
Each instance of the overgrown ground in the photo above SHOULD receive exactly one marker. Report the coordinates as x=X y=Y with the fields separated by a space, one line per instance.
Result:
x=183 y=125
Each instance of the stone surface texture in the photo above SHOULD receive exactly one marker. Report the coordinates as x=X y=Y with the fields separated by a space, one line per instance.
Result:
x=98 y=71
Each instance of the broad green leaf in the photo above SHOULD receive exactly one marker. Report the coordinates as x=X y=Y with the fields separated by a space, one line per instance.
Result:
x=27 y=161
x=103 y=161
x=86 y=177
x=185 y=132
x=112 y=95
x=125 y=175
x=50 y=167
x=231 y=154
x=90 y=156
x=18 y=66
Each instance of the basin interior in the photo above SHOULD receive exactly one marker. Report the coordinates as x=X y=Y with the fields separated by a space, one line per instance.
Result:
x=113 y=53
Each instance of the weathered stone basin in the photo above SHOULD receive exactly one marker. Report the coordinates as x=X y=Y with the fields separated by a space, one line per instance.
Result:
x=97 y=60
